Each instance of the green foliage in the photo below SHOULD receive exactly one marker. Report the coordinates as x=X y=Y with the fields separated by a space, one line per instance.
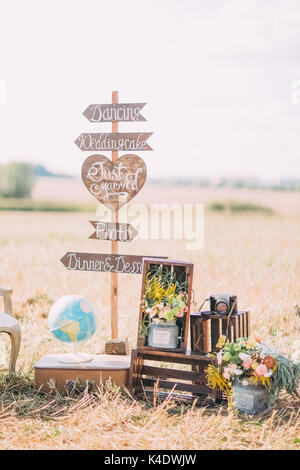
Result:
x=166 y=277
x=286 y=376
x=16 y=180
x=217 y=206
x=33 y=205
x=238 y=207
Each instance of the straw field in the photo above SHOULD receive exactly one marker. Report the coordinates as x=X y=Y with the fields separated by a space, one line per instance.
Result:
x=256 y=256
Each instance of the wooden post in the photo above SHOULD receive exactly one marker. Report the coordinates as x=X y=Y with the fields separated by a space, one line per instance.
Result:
x=114 y=247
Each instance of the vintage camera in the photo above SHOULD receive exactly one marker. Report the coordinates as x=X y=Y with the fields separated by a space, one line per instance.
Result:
x=222 y=303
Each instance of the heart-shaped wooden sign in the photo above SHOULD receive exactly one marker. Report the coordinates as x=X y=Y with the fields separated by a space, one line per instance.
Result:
x=114 y=184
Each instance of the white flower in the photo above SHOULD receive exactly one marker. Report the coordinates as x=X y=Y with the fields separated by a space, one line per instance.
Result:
x=244 y=356
x=267 y=350
x=220 y=357
x=268 y=374
x=245 y=383
x=238 y=372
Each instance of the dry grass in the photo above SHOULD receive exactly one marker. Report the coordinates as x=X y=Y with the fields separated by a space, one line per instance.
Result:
x=255 y=256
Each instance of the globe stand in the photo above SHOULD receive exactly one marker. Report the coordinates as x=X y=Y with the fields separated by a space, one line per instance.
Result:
x=75 y=357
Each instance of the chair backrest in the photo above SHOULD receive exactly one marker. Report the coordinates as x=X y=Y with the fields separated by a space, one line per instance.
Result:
x=6 y=294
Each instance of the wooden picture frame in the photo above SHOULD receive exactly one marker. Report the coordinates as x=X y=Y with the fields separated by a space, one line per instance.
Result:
x=184 y=270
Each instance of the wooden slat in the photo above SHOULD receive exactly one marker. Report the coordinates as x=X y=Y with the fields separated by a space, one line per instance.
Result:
x=195 y=334
x=153 y=260
x=200 y=335
x=240 y=326
x=224 y=322
x=152 y=355
x=176 y=386
x=208 y=314
x=244 y=326
x=215 y=332
x=163 y=372
x=196 y=326
x=200 y=369
x=206 y=337
x=234 y=321
x=180 y=350
x=132 y=371
x=248 y=329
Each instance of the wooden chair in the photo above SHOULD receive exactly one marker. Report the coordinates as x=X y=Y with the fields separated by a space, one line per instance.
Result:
x=8 y=324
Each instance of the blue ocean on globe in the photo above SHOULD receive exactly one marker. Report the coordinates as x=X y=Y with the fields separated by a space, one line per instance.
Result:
x=72 y=319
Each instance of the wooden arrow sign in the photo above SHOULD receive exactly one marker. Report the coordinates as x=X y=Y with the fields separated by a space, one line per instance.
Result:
x=101 y=262
x=125 y=112
x=113 y=231
x=114 y=142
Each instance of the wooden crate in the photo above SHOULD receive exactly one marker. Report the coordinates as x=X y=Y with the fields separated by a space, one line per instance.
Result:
x=183 y=268
x=160 y=381
x=207 y=327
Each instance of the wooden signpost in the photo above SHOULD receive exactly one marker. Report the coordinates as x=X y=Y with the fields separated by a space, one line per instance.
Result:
x=113 y=232
x=114 y=141
x=114 y=291
x=114 y=183
x=124 y=112
x=103 y=262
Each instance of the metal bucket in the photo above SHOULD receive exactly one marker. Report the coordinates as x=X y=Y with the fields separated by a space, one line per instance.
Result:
x=251 y=398
x=163 y=334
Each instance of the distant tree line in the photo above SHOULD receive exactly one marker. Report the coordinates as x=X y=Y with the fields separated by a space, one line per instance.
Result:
x=16 y=180
x=237 y=183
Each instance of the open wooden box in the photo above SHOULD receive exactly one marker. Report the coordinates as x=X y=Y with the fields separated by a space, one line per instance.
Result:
x=207 y=327
x=182 y=273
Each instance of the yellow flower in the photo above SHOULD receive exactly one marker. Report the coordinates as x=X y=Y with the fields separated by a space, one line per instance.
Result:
x=251 y=343
x=265 y=381
x=216 y=380
x=221 y=342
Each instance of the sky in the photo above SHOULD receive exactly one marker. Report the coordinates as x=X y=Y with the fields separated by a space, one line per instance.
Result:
x=221 y=79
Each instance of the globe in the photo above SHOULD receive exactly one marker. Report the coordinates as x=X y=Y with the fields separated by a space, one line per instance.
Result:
x=72 y=319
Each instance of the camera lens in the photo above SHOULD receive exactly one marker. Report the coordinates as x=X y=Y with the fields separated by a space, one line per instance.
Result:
x=222 y=307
